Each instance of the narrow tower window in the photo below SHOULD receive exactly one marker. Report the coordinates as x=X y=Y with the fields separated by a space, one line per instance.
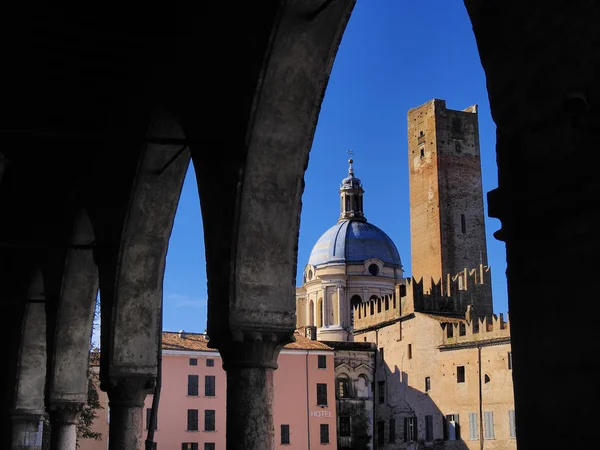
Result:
x=422 y=152
x=463 y=223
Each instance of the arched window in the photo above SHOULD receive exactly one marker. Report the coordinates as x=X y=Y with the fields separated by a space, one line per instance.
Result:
x=372 y=303
x=343 y=387
x=387 y=302
x=354 y=301
x=320 y=313
x=311 y=319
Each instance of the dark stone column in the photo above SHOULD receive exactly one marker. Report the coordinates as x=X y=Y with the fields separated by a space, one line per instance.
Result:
x=126 y=395
x=26 y=433
x=63 y=425
x=547 y=201
x=249 y=358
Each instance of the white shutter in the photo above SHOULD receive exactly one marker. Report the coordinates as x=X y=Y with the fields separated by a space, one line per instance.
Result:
x=473 y=431
x=513 y=425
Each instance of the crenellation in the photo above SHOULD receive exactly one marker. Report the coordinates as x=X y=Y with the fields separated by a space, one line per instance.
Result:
x=380 y=310
x=476 y=328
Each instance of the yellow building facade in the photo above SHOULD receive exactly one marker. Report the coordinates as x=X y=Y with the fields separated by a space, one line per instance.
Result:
x=442 y=376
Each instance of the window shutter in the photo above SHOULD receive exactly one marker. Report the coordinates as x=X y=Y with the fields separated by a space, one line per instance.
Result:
x=193 y=385
x=445 y=428
x=192 y=419
x=512 y=423
x=209 y=386
x=473 y=431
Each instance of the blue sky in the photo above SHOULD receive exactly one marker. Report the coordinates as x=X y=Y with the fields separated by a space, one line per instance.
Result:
x=395 y=55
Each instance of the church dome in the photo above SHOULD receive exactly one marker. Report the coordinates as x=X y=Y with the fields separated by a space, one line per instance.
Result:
x=354 y=242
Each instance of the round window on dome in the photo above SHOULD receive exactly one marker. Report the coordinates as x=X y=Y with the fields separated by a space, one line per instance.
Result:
x=374 y=269
x=310 y=274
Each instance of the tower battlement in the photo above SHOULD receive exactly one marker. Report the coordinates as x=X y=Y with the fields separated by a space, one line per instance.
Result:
x=465 y=292
x=452 y=295
x=377 y=311
x=475 y=328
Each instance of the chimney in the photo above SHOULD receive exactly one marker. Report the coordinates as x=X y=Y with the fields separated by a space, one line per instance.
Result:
x=182 y=334
x=311 y=332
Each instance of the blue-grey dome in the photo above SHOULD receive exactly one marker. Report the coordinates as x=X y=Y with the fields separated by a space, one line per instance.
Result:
x=353 y=242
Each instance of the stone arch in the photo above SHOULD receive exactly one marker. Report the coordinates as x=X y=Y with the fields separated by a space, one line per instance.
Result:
x=29 y=397
x=68 y=368
x=131 y=250
x=363 y=386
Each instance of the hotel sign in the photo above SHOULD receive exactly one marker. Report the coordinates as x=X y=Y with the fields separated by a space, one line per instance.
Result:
x=320 y=414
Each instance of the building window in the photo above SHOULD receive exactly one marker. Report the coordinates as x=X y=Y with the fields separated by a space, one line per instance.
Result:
x=456 y=126
x=512 y=423
x=392 y=436
x=322 y=361
x=462 y=329
x=343 y=387
x=488 y=425
x=409 y=351
x=381 y=391
x=192 y=420
x=473 y=427
x=463 y=223
x=324 y=433
x=189 y=446
x=149 y=417
x=429 y=428
x=380 y=433
x=209 y=385
x=285 y=434
x=449 y=330
x=382 y=354
x=451 y=428
x=410 y=428
x=374 y=269
x=460 y=374
x=486 y=378
x=344 y=426
x=210 y=362
x=320 y=313
x=422 y=152
x=209 y=446
x=427 y=384
x=509 y=360
x=193 y=385
x=209 y=420
x=193 y=361
x=372 y=307
x=321 y=394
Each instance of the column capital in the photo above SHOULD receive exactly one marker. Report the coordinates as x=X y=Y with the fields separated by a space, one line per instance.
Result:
x=65 y=412
x=128 y=390
x=251 y=348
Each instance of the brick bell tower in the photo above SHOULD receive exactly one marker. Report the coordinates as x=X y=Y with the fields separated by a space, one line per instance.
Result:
x=446 y=195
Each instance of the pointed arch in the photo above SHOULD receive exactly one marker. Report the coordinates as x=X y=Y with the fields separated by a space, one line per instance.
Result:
x=68 y=374
x=31 y=376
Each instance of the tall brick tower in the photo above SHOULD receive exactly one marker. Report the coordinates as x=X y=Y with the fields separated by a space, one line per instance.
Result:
x=446 y=194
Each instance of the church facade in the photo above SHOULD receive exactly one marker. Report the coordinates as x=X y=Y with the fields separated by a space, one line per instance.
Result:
x=442 y=372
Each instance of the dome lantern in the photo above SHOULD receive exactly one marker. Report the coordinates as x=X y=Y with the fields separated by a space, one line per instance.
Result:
x=351 y=197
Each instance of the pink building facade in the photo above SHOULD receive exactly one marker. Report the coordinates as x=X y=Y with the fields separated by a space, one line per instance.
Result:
x=192 y=407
